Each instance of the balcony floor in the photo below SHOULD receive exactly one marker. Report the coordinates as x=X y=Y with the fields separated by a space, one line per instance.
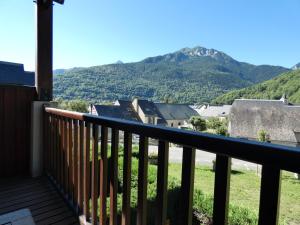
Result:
x=39 y=196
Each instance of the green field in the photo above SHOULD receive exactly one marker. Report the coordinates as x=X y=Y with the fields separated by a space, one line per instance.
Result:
x=244 y=193
x=245 y=188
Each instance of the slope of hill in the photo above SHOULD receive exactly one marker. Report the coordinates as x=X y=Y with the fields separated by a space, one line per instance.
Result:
x=189 y=75
x=287 y=83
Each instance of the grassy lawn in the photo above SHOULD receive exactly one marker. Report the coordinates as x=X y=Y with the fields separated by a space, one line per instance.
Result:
x=244 y=190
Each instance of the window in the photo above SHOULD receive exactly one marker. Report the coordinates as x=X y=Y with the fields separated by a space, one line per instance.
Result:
x=171 y=124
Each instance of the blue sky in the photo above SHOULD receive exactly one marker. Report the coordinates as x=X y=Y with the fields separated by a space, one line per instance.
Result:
x=93 y=32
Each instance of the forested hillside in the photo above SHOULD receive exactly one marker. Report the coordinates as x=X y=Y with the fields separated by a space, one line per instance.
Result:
x=286 y=83
x=187 y=76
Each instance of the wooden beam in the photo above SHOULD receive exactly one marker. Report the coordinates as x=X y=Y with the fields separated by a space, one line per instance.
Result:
x=44 y=49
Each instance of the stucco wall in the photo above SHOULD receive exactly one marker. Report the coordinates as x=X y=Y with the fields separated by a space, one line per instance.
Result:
x=280 y=121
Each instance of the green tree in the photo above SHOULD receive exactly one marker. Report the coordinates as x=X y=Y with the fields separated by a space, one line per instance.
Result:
x=214 y=123
x=222 y=130
x=73 y=105
x=198 y=123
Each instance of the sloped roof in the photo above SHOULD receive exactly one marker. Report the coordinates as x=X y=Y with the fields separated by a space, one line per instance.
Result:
x=13 y=73
x=149 y=108
x=214 y=111
x=117 y=111
x=176 y=111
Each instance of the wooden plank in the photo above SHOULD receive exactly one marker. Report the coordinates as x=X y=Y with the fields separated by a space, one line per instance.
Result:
x=162 y=183
x=61 y=153
x=103 y=175
x=15 y=121
x=113 y=186
x=45 y=142
x=80 y=167
x=269 y=195
x=56 y=149
x=52 y=145
x=65 y=155
x=142 y=181
x=127 y=178
x=221 y=190
x=187 y=184
x=95 y=173
x=75 y=167
x=86 y=176
x=70 y=159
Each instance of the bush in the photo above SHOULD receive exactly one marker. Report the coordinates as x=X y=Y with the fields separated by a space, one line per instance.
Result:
x=73 y=105
x=222 y=130
x=198 y=123
x=214 y=123
x=263 y=136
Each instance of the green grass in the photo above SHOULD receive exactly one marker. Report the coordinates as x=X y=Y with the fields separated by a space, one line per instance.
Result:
x=245 y=188
x=244 y=193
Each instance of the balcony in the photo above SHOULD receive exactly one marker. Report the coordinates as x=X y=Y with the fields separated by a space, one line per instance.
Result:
x=76 y=166
x=80 y=166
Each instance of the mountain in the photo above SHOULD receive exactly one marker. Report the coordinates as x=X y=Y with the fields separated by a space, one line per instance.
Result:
x=190 y=75
x=286 y=83
x=297 y=66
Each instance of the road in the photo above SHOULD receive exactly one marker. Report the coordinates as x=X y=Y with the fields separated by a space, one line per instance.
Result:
x=203 y=158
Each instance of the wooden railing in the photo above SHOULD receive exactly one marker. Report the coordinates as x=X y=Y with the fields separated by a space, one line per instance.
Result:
x=67 y=139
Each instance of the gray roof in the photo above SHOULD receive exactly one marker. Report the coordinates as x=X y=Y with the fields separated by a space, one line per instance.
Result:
x=115 y=111
x=214 y=111
x=149 y=108
x=176 y=111
x=13 y=73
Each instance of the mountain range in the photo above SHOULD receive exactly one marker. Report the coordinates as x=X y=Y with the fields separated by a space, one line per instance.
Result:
x=190 y=75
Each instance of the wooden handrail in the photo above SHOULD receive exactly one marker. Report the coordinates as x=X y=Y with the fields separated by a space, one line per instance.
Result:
x=76 y=168
x=282 y=157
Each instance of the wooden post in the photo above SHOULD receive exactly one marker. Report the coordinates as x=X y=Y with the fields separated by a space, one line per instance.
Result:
x=44 y=50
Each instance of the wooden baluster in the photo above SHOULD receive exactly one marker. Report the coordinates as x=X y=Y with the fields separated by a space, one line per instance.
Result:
x=87 y=179
x=127 y=178
x=75 y=167
x=221 y=191
x=51 y=145
x=162 y=182
x=80 y=165
x=187 y=184
x=58 y=138
x=57 y=150
x=66 y=187
x=95 y=173
x=142 y=181
x=45 y=140
x=70 y=158
x=114 y=176
x=103 y=175
x=62 y=164
x=54 y=174
x=269 y=195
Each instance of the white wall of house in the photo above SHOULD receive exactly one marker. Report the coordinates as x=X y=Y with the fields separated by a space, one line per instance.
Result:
x=175 y=123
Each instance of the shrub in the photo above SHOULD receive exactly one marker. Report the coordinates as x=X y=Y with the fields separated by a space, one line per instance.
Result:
x=263 y=136
x=198 y=123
